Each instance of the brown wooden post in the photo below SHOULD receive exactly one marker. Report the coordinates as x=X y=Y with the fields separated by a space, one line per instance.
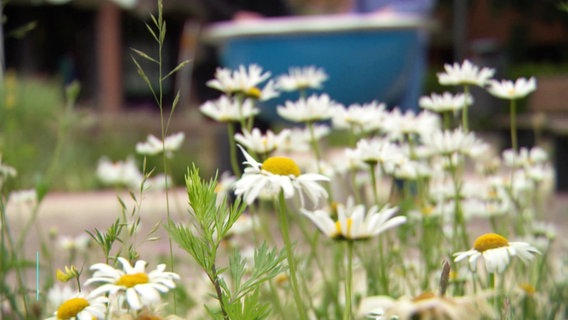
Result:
x=109 y=58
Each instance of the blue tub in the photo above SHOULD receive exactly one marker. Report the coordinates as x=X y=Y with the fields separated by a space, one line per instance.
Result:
x=366 y=57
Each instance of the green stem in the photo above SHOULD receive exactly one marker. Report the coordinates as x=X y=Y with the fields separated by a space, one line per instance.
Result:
x=347 y=314
x=214 y=278
x=446 y=116
x=460 y=229
x=465 y=120
x=13 y=259
x=233 y=149
x=372 y=169
x=283 y=216
x=355 y=188
x=314 y=143
x=383 y=269
x=513 y=119
x=161 y=26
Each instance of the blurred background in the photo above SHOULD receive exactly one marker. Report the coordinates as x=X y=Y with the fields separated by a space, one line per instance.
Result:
x=48 y=44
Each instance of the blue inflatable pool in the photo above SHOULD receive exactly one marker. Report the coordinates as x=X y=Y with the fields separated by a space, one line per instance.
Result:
x=366 y=57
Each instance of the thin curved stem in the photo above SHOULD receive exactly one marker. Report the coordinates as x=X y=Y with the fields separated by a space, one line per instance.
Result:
x=372 y=169
x=282 y=215
x=233 y=149
x=348 y=282
x=465 y=119
x=513 y=119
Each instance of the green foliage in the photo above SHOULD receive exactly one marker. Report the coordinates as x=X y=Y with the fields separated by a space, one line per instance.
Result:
x=106 y=240
x=210 y=222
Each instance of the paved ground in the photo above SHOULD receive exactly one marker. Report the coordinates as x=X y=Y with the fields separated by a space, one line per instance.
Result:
x=73 y=213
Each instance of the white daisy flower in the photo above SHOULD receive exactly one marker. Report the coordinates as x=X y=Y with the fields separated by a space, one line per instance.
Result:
x=301 y=79
x=314 y=108
x=362 y=118
x=545 y=230
x=475 y=207
x=399 y=126
x=496 y=252
x=378 y=151
x=445 y=102
x=227 y=109
x=28 y=197
x=158 y=182
x=225 y=186
x=79 y=243
x=244 y=81
x=507 y=89
x=139 y=288
x=82 y=307
x=119 y=173
x=153 y=146
x=427 y=306
x=346 y=160
x=407 y=169
x=299 y=139
x=58 y=294
x=244 y=224
x=277 y=174
x=354 y=223
x=524 y=157
x=465 y=74
x=446 y=143
x=6 y=172
x=260 y=143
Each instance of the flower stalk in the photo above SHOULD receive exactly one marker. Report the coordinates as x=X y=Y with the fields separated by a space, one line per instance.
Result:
x=284 y=228
x=348 y=282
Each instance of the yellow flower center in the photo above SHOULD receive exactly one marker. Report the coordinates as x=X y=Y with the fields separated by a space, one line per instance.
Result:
x=70 y=308
x=281 y=166
x=427 y=210
x=490 y=241
x=148 y=317
x=281 y=278
x=131 y=280
x=338 y=227
x=527 y=288
x=254 y=93
x=424 y=296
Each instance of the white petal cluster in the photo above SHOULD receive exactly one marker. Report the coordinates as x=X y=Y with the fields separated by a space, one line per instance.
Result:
x=465 y=74
x=445 y=102
x=244 y=81
x=82 y=307
x=228 y=109
x=496 y=252
x=262 y=143
x=507 y=89
x=355 y=223
x=140 y=289
x=27 y=197
x=361 y=118
x=378 y=151
x=301 y=79
x=314 y=108
x=257 y=181
x=427 y=306
x=524 y=157
x=153 y=146
x=402 y=125
x=6 y=172
x=79 y=243
x=446 y=143
x=119 y=173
